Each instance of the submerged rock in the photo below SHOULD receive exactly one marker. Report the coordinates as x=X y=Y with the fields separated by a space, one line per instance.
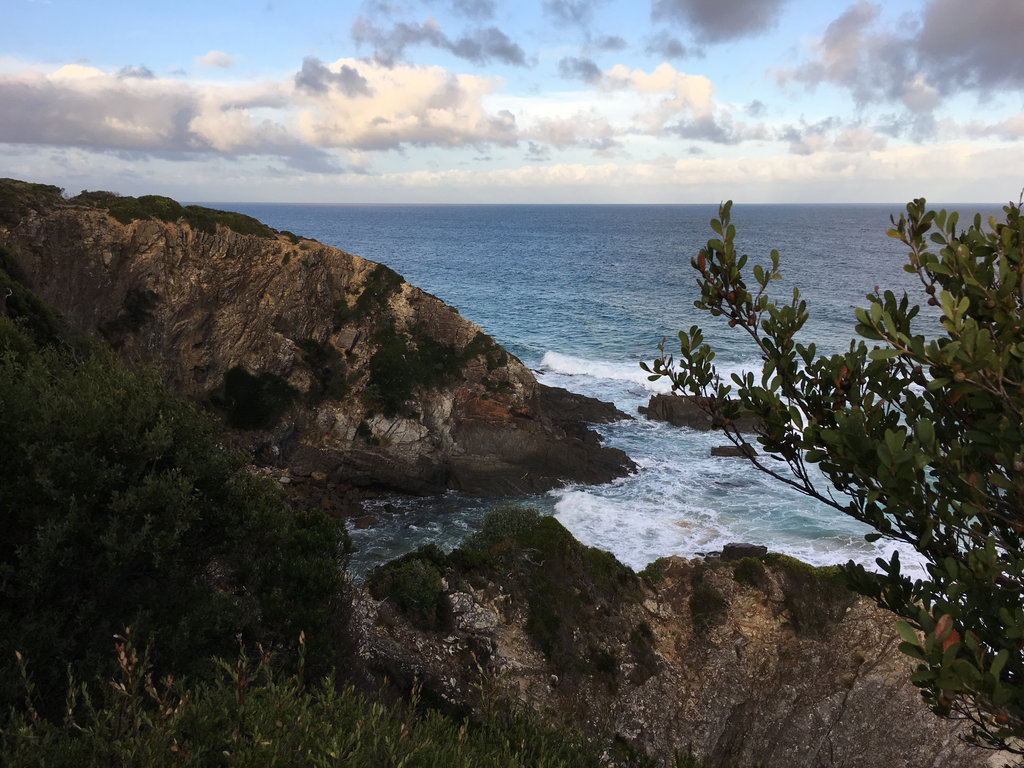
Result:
x=323 y=360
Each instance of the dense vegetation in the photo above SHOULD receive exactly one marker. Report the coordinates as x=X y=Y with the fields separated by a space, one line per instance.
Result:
x=121 y=507
x=18 y=196
x=251 y=715
x=573 y=592
x=162 y=606
x=128 y=209
x=918 y=437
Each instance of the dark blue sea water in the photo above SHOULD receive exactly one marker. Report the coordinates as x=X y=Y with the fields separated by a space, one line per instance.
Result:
x=581 y=294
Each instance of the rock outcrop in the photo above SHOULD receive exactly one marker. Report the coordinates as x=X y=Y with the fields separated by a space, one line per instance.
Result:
x=333 y=363
x=686 y=411
x=759 y=661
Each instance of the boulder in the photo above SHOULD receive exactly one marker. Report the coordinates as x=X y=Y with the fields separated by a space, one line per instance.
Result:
x=733 y=451
x=732 y=552
x=686 y=411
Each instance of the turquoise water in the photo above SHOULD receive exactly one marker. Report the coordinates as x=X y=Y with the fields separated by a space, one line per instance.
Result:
x=581 y=294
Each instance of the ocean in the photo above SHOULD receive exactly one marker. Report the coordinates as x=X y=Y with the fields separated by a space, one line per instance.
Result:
x=583 y=293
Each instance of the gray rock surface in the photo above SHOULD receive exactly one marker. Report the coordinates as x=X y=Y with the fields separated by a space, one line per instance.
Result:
x=686 y=411
x=780 y=677
x=197 y=303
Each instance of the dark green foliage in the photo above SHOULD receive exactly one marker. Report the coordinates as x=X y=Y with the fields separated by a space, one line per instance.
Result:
x=328 y=369
x=292 y=237
x=570 y=589
x=482 y=344
x=128 y=209
x=654 y=571
x=32 y=320
x=393 y=369
x=138 y=308
x=379 y=285
x=253 y=402
x=749 y=570
x=707 y=605
x=16 y=197
x=120 y=507
x=252 y=716
x=500 y=527
x=343 y=314
x=918 y=436
x=641 y=641
x=412 y=584
x=401 y=363
x=816 y=597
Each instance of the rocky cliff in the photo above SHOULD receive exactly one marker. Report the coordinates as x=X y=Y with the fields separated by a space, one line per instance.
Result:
x=326 y=362
x=760 y=661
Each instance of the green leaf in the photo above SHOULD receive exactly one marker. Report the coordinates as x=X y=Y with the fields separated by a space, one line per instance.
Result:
x=907 y=633
x=883 y=353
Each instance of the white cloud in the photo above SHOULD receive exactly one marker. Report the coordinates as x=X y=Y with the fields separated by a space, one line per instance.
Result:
x=398 y=107
x=217 y=59
x=404 y=105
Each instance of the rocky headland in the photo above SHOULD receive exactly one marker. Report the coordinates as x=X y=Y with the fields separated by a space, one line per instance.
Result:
x=339 y=375
x=323 y=361
x=759 y=660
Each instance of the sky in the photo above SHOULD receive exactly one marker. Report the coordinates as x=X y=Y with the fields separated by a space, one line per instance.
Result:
x=485 y=101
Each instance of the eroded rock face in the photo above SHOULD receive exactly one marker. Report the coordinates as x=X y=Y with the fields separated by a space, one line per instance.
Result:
x=743 y=664
x=392 y=387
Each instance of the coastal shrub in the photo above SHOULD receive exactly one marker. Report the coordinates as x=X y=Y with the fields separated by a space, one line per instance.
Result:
x=641 y=643
x=571 y=590
x=328 y=369
x=917 y=435
x=403 y=361
x=128 y=209
x=392 y=373
x=16 y=197
x=412 y=584
x=379 y=285
x=749 y=570
x=120 y=506
x=707 y=605
x=253 y=402
x=30 y=314
x=654 y=572
x=137 y=309
x=500 y=526
x=816 y=597
x=482 y=344
x=253 y=716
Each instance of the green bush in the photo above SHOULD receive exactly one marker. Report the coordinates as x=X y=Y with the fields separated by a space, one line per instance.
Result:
x=571 y=589
x=253 y=402
x=916 y=431
x=138 y=308
x=412 y=584
x=816 y=597
x=121 y=507
x=501 y=525
x=749 y=570
x=328 y=369
x=252 y=715
x=707 y=605
x=16 y=197
x=129 y=209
